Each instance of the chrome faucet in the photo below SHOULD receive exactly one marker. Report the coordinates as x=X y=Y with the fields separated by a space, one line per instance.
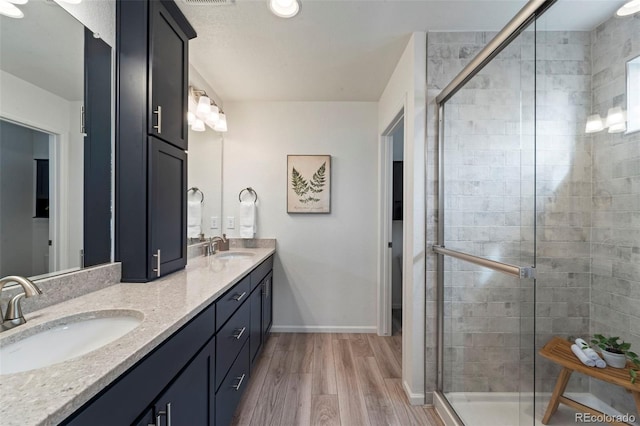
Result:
x=221 y=242
x=14 y=316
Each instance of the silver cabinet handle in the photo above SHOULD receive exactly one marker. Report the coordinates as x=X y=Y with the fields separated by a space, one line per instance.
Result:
x=238 y=297
x=157 y=268
x=158 y=112
x=240 y=380
x=165 y=412
x=83 y=126
x=239 y=333
x=265 y=288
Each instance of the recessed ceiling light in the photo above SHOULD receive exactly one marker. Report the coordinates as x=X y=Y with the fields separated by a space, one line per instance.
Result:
x=629 y=8
x=284 y=8
x=10 y=10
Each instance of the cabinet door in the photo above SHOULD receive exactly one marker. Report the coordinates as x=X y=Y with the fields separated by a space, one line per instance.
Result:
x=187 y=399
x=267 y=304
x=168 y=77
x=97 y=151
x=167 y=208
x=255 y=335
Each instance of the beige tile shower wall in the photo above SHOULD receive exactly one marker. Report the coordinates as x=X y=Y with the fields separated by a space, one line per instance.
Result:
x=490 y=203
x=615 y=249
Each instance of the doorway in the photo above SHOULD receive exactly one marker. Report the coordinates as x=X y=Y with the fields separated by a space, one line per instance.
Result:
x=392 y=228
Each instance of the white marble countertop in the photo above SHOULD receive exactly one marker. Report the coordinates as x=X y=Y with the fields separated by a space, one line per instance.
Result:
x=48 y=395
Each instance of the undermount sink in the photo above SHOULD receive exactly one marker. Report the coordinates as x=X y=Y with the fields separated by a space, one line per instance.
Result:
x=234 y=255
x=64 y=339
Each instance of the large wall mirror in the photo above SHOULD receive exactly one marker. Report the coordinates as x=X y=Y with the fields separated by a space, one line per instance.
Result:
x=55 y=143
x=205 y=174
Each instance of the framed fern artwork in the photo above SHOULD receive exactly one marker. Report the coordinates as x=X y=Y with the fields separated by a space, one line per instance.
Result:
x=308 y=184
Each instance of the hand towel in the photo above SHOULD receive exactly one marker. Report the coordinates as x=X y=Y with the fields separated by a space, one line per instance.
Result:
x=590 y=353
x=194 y=219
x=248 y=226
x=582 y=356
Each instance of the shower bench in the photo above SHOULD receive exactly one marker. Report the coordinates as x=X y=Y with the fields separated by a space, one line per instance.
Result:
x=558 y=350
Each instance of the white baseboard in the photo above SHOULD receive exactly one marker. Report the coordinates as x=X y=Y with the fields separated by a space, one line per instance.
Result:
x=322 y=329
x=415 y=398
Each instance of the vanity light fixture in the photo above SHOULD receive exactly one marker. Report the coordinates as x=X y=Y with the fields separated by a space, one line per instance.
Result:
x=616 y=121
x=284 y=8
x=629 y=8
x=9 y=8
x=203 y=110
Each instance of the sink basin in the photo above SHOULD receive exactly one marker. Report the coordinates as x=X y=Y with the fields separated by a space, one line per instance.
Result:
x=234 y=255
x=65 y=339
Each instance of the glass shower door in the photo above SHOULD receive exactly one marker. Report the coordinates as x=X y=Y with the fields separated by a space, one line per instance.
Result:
x=487 y=249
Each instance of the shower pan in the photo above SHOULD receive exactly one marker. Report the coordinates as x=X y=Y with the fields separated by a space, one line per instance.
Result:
x=538 y=228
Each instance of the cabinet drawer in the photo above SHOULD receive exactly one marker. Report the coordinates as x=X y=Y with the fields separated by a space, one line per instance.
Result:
x=260 y=272
x=231 y=300
x=230 y=339
x=233 y=386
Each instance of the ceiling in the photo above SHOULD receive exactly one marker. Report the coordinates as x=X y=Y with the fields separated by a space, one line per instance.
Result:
x=340 y=50
x=45 y=48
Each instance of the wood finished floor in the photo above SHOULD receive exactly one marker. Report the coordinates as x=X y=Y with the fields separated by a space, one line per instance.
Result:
x=330 y=380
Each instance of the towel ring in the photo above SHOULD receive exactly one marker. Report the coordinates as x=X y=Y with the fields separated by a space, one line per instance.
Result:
x=196 y=190
x=251 y=190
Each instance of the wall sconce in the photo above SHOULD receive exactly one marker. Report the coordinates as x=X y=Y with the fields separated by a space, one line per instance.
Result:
x=203 y=110
x=616 y=122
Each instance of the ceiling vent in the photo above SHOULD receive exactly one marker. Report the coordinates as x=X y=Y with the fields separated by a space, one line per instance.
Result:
x=209 y=2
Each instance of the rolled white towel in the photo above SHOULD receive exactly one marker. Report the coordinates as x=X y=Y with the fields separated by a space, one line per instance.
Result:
x=590 y=353
x=582 y=356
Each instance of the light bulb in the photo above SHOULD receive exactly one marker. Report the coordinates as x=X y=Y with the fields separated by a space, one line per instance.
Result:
x=629 y=8
x=284 y=8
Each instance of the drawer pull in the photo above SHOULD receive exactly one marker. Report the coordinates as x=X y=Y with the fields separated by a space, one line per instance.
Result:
x=239 y=333
x=238 y=297
x=166 y=412
x=240 y=380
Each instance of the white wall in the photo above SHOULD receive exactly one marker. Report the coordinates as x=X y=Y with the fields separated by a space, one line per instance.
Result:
x=326 y=264
x=406 y=89
x=54 y=115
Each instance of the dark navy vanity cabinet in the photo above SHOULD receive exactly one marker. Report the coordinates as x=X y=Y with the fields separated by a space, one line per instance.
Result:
x=197 y=376
x=152 y=51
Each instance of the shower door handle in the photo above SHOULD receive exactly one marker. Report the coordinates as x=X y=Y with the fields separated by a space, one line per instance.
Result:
x=506 y=268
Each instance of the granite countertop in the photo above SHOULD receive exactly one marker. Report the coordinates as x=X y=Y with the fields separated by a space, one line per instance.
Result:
x=48 y=395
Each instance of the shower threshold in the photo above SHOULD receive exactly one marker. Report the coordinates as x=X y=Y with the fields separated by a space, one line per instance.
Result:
x=514 y=409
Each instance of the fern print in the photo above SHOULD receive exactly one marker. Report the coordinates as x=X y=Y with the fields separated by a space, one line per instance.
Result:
x=309 y=184
x=318 y=180
x=299 y=184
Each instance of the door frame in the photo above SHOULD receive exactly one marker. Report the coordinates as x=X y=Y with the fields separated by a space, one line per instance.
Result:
x=385 y=216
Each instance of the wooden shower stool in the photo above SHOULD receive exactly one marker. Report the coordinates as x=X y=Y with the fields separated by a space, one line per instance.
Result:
x=558 y=350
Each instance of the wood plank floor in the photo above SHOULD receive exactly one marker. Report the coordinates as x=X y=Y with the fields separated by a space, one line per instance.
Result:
x=330 y=379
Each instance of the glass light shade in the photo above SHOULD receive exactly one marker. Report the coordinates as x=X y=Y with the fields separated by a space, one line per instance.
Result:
x=198 y=125
x=10 y=10
x=18 y=1
x=221 y=125
x=204 y=107
x=629 y=8
x=594 y=124
x=615 y=116
x=214 y=115
x=284 y=8
x=618 y=128
x=191 y=118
